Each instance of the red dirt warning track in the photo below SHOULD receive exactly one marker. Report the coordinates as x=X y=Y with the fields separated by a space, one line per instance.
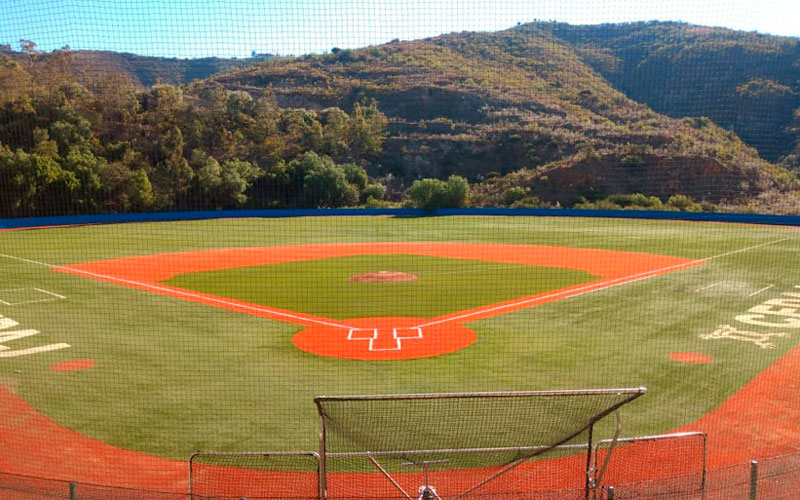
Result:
x=381 y=338
x=33 y=445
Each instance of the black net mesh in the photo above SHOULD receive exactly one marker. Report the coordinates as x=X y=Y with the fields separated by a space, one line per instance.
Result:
x=459 y=421
x=254 y=475
x=213 y=212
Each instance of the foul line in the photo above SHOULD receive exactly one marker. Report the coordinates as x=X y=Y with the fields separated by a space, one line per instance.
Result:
x=572 y=292
x=176 y=291
x=591 y=287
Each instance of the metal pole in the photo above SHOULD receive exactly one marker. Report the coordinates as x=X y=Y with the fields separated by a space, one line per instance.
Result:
x=753 y=480
x=73 y=490
x=323 y=465
x=610 y=493
x=589 y=482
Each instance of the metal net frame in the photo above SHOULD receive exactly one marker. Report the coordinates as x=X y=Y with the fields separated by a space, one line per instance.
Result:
x=254 y=475
x=679 y=461
x=501 y=431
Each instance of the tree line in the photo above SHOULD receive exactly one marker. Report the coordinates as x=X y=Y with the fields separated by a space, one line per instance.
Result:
x=86 y=143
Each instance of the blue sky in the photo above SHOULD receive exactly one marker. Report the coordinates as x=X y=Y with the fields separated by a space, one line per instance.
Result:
x=197 y=28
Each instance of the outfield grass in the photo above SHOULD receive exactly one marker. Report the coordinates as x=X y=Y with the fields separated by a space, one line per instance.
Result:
x=323 y=287
x=174 y=376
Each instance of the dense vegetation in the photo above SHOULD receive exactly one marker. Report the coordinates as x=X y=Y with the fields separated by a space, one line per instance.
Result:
x=543 y=114
x=102 y=144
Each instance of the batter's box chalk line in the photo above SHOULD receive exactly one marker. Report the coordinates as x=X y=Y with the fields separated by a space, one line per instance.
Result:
x=27 y=295
x=380 y=340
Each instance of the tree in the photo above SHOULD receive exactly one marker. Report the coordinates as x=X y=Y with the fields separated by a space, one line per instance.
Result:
x=125 y=189
x=457 y=192
x=32 y=184
x=367 y=129
x=220 y=186
x=325 y=184
x=335 y=131
x=172 y=175
x=27 y=46
x=430 y=194
x=355 y=175
x=14 y=81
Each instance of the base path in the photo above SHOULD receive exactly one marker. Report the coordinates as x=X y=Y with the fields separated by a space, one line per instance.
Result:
x=382 y=338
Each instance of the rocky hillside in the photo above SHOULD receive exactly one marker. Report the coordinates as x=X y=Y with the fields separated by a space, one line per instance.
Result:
x=744 y=81
x=535 y=98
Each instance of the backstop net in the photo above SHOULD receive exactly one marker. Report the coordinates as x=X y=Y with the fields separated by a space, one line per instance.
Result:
x=253 y=475
x=651 y=460
x=465 y=445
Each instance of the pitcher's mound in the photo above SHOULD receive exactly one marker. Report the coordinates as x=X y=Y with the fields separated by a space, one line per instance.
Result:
x=383 y=277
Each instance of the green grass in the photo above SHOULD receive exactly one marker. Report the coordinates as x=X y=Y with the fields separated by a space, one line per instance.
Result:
x=174 y=376
x=323 y=287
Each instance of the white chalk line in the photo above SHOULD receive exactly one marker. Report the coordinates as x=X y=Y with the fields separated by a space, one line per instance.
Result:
x=597 y=286
x=571 y=292
x=709 y=286
x=53 y=296
x=746 y=249
x=762 y=290
x=176 y=291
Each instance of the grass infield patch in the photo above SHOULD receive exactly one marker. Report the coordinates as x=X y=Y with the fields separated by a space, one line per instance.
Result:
x=323 y=287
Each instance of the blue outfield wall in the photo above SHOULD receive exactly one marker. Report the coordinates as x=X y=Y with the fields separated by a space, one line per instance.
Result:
x=72 y=220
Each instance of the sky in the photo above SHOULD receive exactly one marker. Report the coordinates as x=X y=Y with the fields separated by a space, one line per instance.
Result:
x=236 y=28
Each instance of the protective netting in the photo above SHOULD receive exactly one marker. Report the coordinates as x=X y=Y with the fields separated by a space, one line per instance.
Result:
x=681 y=458
x=461 y=444
x=213 y=212
x=254 y=475
x=458 y=421
x=470 y=474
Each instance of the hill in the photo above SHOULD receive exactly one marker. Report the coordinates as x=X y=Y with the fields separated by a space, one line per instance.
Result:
x=531 y=98
x=142 y=70
x=540 y=114
x=744 y=81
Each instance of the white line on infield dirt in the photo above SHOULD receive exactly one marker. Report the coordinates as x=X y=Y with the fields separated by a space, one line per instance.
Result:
x=176 y=291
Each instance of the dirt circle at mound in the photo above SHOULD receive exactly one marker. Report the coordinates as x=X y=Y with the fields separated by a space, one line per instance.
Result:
x=382 y=277
x=694 y=358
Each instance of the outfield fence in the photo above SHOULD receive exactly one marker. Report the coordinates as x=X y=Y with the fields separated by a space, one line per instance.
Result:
x=776 y=478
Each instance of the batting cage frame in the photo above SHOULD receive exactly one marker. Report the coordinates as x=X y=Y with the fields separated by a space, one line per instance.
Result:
x=690 y=482
x=281 y=455
x=554 y=418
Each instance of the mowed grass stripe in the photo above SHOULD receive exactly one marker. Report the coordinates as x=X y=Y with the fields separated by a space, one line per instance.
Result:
x=324 y=287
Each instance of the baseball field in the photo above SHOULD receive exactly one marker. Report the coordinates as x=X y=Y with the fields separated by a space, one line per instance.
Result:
x=160 y=339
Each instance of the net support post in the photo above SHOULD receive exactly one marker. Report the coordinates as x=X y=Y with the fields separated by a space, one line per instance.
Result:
x=323 y=454
x=753 y=480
